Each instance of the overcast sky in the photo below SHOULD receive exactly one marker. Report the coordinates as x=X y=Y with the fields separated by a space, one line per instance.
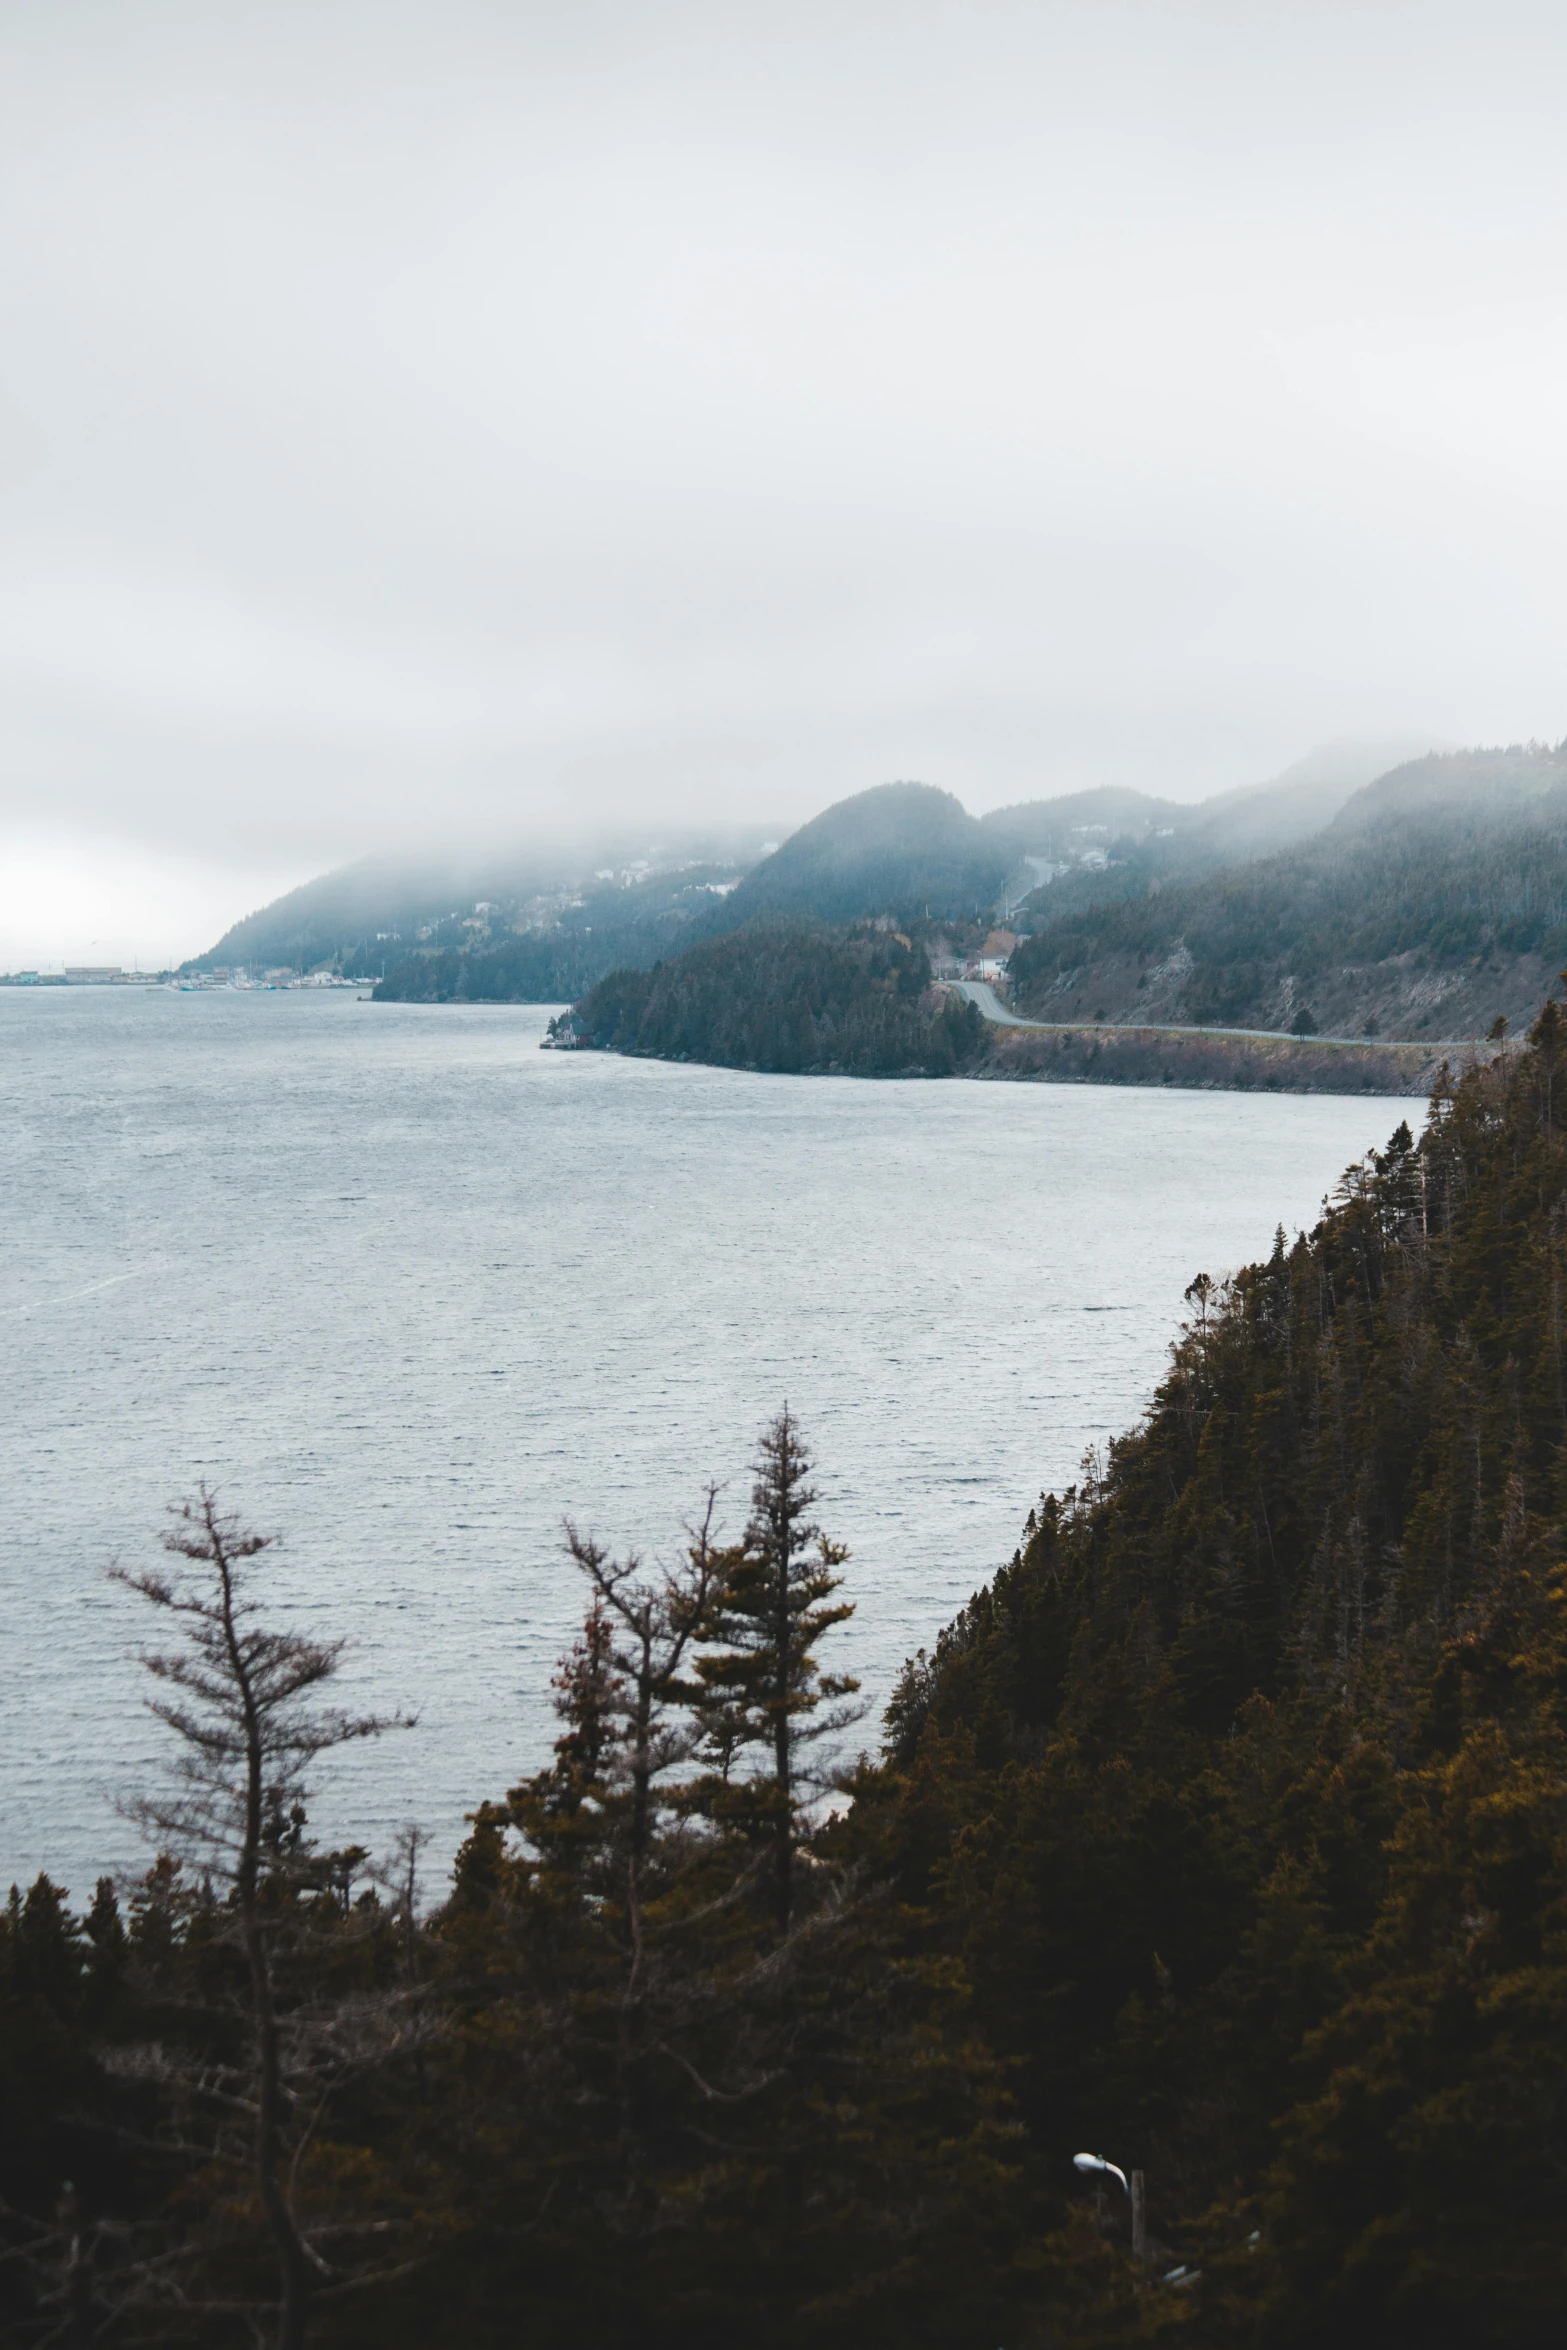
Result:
x=432 y=416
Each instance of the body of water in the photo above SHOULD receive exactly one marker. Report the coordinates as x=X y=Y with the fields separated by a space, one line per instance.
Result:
x=410 y=1291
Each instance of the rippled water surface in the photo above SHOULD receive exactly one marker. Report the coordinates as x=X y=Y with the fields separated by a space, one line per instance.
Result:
x=409 y=1291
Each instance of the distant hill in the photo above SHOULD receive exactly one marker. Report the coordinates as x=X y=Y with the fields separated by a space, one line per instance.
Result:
x=1435 y=901
x=1487 y=784
x=551 y=950
x=341 y=915
x=632 y=894
x=1302 y=800
x=895 y=850
x=1050 y=828
x=1093 y=848
x=1244 y=823
x=905 y=849
x=1107 y=842
x=545 y=924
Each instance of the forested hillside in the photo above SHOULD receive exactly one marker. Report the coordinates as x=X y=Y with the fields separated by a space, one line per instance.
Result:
x=1224 y=1835
x=1435 y=902
x=792 y=996
x=1241 y=1795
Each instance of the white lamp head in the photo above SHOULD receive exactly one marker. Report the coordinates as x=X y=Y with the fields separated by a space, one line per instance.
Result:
x=1088 y=2163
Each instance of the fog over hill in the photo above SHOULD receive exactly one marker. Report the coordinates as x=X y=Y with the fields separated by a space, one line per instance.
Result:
x=897 y=847
x=1418 y=902
x=1434 y=903
x=902 y=848
x=380 y=908
x=1205 y=833
x=1479 y=782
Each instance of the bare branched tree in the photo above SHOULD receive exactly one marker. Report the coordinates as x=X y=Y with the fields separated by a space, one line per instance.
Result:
x=243 y=1699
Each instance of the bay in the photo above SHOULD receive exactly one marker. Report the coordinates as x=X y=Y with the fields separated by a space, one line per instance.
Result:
x=410 y=1292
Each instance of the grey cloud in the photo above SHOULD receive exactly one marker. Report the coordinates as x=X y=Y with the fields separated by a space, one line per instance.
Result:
x=430 y=414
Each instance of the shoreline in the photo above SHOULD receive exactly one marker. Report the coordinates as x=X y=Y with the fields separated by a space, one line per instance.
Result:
x=1240 y=1060
x=1224 y=1060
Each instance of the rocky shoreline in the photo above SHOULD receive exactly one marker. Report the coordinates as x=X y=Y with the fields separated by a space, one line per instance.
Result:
x=1142 y=1056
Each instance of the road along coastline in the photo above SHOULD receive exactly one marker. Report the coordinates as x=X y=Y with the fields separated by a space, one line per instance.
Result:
x=1085 y=1052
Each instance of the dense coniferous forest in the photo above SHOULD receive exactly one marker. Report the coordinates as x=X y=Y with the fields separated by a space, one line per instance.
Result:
x=560 y=951
x=786 y=995
x=1403 y=918
x=1223 y=1835
x=542 y=967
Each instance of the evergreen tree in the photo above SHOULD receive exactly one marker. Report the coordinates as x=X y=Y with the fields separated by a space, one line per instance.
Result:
x=763 y=1686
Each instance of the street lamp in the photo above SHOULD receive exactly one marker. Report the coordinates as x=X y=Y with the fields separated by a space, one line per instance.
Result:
x=1092 y=2165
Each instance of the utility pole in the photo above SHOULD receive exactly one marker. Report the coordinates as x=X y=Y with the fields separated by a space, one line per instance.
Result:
x=1139 y=2220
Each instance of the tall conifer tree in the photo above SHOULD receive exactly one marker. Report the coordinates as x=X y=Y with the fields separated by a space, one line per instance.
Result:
x=764 y=1686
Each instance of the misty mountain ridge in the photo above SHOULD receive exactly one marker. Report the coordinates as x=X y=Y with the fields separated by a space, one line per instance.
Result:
x=1434 y=903
x=905 y=851
x=1428 y=899
x=1477 y=783
x=382 y=909
x=895 y=848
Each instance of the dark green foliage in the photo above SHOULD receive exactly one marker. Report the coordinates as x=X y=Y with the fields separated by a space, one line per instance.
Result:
x=788 y=996
x=762 y=1688
x=127 y=2171
x=675 y=2116
x=546 y=967
x=60 y=1979
x=1242 y=1792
